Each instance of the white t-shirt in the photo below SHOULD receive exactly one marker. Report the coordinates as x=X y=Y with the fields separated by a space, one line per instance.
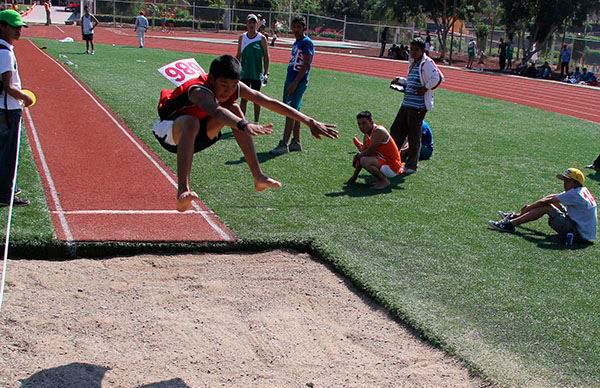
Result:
x=87 y=24
x=582 y=209
x=141 y=23
x=8 y=62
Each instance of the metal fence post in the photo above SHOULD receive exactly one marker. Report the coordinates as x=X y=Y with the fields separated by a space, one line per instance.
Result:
x=344 y=33
x=194 y=16
x=114 y=13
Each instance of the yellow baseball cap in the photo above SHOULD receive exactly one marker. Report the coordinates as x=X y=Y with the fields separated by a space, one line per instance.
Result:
x=572 y=173
x=12 y=18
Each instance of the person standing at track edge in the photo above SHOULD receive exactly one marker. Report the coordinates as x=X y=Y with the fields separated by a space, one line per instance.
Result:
x=11 y=24
x=296 y=83
x=423 y=77
x=48 y=9
x=253 y=54
x=88 y=24
x=141 y=26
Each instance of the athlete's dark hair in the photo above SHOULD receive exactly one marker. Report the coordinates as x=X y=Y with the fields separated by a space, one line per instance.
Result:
x=364 y=115
x=225 y=66
x=418 y=42
x=299 y=20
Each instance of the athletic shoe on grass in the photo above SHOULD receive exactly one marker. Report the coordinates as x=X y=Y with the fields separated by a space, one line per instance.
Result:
x=281 y=149
x=507 y=215
x=502 y=226
x=16 y=202
x=295 y=146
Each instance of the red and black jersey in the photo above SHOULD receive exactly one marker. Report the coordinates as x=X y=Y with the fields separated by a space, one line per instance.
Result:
x=176 y=102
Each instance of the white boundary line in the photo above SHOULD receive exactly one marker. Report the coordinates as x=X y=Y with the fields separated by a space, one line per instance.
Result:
x=213 y=225
x=46 y=170
x=121 y=212
x=60 y=29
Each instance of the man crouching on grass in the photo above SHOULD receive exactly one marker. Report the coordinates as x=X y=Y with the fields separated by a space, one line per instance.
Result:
x=379 y=154
x=193 y=114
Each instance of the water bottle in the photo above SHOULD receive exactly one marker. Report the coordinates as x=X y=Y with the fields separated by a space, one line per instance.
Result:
x=569 y=241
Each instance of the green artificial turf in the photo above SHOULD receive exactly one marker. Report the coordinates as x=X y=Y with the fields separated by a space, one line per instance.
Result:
x=30 y=224
x=520 y=308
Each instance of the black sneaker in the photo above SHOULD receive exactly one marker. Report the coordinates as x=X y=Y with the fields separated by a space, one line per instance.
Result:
x=507 y=215
x=20 y=201
x=593 y=167
x=502 y=226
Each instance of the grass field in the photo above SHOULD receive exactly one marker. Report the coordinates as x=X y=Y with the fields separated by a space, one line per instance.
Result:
x=519 y=308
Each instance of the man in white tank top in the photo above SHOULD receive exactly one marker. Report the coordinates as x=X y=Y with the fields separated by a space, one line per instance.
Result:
x=88 y=24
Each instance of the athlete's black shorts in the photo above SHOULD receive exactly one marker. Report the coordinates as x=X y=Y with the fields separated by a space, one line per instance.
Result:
x=202 y=141
x=253 y=83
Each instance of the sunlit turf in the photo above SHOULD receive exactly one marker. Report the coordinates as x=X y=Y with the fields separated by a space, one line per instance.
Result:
x=520 y=308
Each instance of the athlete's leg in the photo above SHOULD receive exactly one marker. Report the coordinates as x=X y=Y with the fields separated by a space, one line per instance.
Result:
x=185 y=130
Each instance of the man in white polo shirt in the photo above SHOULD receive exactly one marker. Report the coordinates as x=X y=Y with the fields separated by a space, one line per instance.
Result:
x=572 y=211
x=11 y=96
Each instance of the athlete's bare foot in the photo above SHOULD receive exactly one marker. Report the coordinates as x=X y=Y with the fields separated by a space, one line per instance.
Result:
x=380 y=185
x=264 y=182
x=184 y=200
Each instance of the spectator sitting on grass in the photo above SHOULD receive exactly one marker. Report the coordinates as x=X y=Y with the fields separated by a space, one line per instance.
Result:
x=572 y=211
x=577 y=75
x=545 y=71
x=588 y=78
x=393 y=52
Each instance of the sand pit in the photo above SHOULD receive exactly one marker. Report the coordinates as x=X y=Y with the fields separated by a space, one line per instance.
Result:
x=275 y=319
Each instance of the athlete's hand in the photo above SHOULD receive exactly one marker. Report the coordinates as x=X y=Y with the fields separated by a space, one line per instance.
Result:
x=27 y=101
x=319 y=129
x=257 y=129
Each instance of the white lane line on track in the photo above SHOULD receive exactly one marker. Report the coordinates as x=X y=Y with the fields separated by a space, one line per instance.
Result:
x=127 y=212
x=60 y=29
x=170 y=179
x=46 y=170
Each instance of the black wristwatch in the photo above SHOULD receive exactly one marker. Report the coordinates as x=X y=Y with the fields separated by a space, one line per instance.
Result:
x=242 y=124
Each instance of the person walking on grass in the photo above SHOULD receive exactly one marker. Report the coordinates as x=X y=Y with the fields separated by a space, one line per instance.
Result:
x=193 y=114
x=572 y=211
x=11 y=97
x=423 y=78
x=141 y=26
x=295 y=85
x=253 y=54
x=377 y=153
x=88 y=24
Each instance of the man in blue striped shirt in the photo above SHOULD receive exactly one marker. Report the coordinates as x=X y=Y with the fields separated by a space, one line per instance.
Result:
x=423 y=77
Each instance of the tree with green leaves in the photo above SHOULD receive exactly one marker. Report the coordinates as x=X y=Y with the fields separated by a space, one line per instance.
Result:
x=542 y=18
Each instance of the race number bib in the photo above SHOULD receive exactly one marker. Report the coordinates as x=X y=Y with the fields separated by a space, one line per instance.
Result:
x=181 y=71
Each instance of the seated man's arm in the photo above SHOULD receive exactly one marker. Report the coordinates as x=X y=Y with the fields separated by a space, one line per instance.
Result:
x=378 y=137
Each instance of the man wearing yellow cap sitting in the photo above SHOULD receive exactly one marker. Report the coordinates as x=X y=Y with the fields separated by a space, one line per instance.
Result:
x=572 y=211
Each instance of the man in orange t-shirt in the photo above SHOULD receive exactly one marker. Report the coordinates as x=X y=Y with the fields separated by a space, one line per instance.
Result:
x=379 y=154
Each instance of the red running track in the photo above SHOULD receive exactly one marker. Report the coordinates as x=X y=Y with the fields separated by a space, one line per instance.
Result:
x=101 y=182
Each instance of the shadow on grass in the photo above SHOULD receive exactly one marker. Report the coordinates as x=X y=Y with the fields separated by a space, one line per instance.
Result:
x=262 y=157
x=548 y=241
x=365 y=190
x=595 y=175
